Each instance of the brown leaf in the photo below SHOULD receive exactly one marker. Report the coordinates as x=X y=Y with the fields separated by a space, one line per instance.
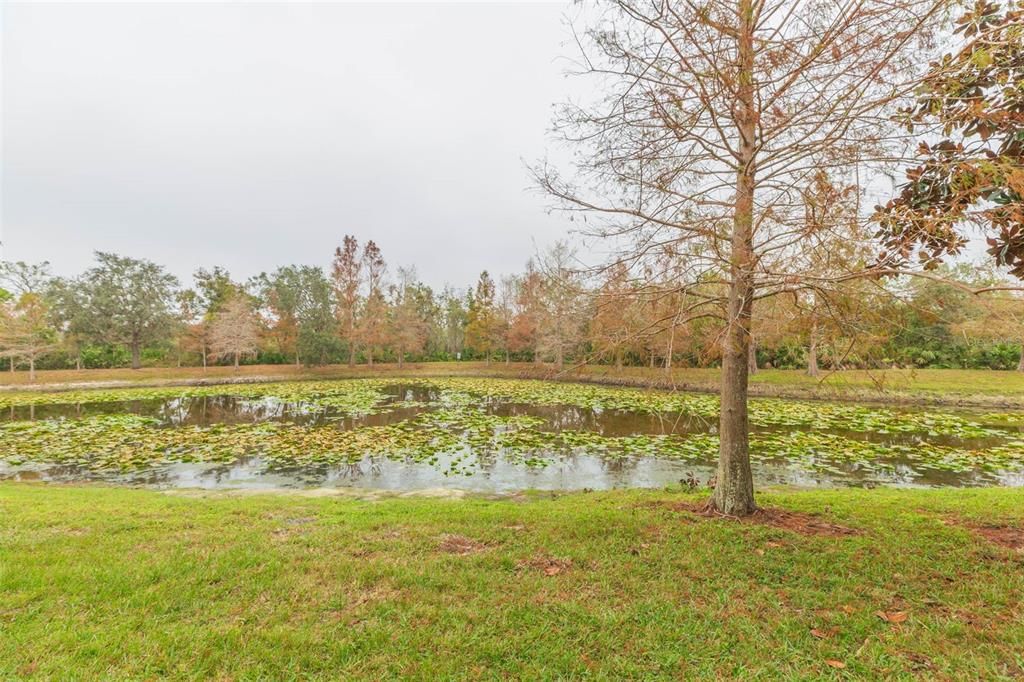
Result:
x=846 y=608
x=553 y=570
x=824 y=634
x=892 y=616
x=835 y=664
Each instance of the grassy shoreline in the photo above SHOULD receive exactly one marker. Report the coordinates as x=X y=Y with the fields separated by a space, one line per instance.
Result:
x=968 y=388
x=116 y=583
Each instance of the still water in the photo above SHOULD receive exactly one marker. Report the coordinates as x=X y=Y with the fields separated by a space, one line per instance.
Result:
x=886 y=457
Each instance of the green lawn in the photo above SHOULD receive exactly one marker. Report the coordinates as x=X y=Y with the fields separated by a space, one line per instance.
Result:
x=132 y=584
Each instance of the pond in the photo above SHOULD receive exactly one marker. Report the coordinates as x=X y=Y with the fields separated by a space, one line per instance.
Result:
x=483 y=434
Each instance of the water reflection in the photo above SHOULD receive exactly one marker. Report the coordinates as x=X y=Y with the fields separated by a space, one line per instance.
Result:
x=490 y=471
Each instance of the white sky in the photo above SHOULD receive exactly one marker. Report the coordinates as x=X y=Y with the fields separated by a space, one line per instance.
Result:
x=256 y=135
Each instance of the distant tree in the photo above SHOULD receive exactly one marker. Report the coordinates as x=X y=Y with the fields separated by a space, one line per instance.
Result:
x=127 y=301
x=669 y=325
x=18 y=277
x=281 y=296
x=70 y=316
x=482 y=319
x=505 y=311
x=409 y=328
x=616 y=324
x=524 y=335
x=452 y=320
x=346 y=275
x=1001 y=319
x=25 y=330
x=317 y=338
x=214 y=288
x=234 y=331
x=998 y=317
x=772 y=326
x=562 y=314
x=194 y=327
x=373 y=319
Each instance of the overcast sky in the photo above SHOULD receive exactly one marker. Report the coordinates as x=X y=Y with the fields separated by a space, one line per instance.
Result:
x=256 y=135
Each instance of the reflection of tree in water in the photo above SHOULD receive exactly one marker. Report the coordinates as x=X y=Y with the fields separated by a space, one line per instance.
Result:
x=33 y=412
x=207 y=410
x=352 y=471
x=610 y=423
x=218 y=472
x=619 y=466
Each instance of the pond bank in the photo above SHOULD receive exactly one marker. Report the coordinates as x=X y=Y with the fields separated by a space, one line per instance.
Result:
x=948 y=388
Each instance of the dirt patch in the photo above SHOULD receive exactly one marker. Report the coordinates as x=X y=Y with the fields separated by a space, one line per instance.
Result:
x=1010 y=537
x=1002 y=534
x=549 y=565
x=460 y=545
x=797 y=522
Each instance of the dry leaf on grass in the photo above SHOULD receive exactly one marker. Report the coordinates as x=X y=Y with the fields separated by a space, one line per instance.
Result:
x=892 y=616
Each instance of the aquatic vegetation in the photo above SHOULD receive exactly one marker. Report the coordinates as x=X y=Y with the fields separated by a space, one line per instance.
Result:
x=356 y=397
x=462 y=424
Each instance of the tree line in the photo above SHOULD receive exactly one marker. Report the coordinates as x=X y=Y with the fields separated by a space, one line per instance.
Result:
x=129 y=312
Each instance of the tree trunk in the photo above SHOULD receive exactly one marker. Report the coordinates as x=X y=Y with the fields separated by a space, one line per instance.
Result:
x=204 y=356
x=78 y=361
x=31 y=370
x=734 y=487
x=401 y=358
x=669 y=349
x=352 y=355
x=236 y=362
x=369 y=357
x=136 y=355
x=812 y=350
x=1020 y=363
x=559 y=357
x=752 y=358
x=618 y=359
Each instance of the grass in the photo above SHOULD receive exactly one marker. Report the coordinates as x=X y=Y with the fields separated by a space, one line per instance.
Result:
x=114 y=583
x=937 y=386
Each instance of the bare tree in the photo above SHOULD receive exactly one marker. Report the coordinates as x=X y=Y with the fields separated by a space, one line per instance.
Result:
x=717 y=113
x=562 y=312
x=372 y=331
x=25 y=331
x=346 y=275
x=234 y=331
